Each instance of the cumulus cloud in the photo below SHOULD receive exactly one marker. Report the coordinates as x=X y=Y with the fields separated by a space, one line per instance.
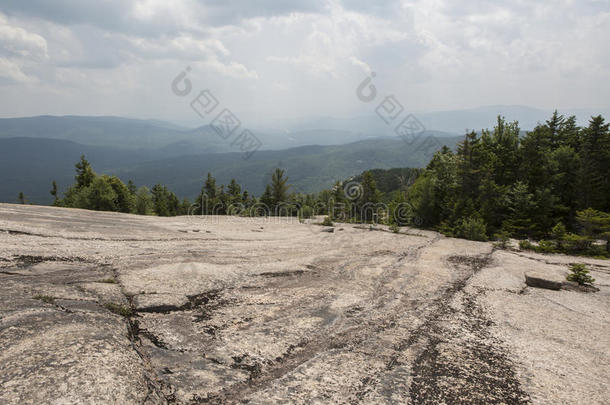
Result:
x=307 y=56
x=19 y=42
x=11 y=71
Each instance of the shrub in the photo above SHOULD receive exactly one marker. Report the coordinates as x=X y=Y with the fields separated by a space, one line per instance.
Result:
x=558 y=232
x=580 y=274
x=573 y=243
x=472 y=228
x=502 y=239
x=526 y=245
x=546 y=246
x=305 y=212
x=327 y=222
x=394 y=228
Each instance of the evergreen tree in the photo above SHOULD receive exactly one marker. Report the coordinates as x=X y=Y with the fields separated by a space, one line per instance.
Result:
x=143 y=204
x=54 y=192
x=21 y=198
x=125 y=199
x=595 y=224
x=279 y=188
x=366 y=204
x=160 y=199
x=84 y=173
x=131 y=187
x=596 y=164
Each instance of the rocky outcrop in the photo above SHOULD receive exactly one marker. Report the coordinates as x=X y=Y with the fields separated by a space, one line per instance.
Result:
x=102 y=307
x=548 y=280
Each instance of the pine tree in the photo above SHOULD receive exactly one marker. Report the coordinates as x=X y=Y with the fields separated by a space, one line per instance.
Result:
x=267 y=200
x=144 y=203
x=21 y=198
x=210 y=187
x=234 y=191
x=279 y=188
x=596 y=164
x=131 y=187
x=84 y=173
x=160 y=200
x=54 y=192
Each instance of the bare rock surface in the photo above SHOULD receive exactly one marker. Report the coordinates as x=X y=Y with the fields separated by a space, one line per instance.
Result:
x=114 y=308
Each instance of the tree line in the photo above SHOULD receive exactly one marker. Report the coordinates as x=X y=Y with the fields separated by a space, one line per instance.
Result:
x=551 y=183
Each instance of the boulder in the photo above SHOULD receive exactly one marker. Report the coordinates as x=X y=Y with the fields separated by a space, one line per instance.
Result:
x=546 y=280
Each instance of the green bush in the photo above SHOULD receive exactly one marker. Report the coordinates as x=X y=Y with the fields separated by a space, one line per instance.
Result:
x=394 y=228
x=472 y=228
x=502 y=239
x=580 y=274
x=526 y=245
x=327 y=222
x=305 y=212
x=546 y=246
x=576 y=244
x=558 y=232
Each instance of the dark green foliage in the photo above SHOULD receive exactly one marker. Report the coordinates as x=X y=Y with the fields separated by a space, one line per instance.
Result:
x=84 y=173
x=279 y=189
x=472 y=228
x=365 y=205
x=526 y=187
x=595 y=224
x=580 y=274
x=21 y=198
x=502 y=239
x=109 y=193
x=526 y=245
x=394 y=228
x=327 y=221
x=53 y=192
x=391 y=180
x=305 y=212
x=165 y=203
x=144 y=203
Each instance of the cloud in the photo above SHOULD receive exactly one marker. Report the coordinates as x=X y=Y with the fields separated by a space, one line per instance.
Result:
x=10 y=71
x=305 y=56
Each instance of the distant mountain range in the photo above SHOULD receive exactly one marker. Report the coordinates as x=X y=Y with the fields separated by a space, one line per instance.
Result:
x=315 y=152
x=452 y=122
x=158 y=138
x=29 y=165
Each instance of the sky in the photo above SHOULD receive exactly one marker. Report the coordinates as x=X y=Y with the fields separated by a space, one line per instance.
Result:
x=273 y=60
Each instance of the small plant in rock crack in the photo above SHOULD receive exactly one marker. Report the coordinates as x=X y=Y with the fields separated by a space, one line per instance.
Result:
x=580 y=274
x=108 y=281
x=118 y=309
x=45 y=298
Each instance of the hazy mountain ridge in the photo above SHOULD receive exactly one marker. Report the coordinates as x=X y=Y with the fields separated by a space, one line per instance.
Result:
x=30 y=164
